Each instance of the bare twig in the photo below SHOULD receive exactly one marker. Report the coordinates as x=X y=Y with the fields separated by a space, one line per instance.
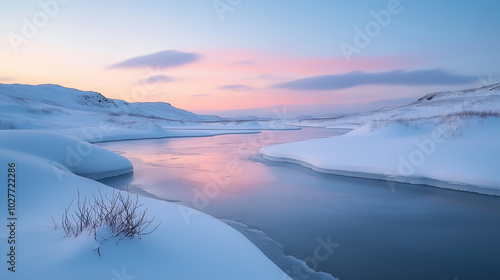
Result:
x=120 y=212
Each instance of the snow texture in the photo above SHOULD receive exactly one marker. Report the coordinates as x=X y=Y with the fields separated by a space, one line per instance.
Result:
x=431 y=106
x=46 y=131
x=91 y=117
x=49 y=175
x=445 y=139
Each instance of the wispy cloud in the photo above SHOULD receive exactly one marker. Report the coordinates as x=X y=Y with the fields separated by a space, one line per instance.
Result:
x=358 y=78
x=235 y=87
x=257 y=63
x=163 y=59
x=156 y=79
x=199 y=95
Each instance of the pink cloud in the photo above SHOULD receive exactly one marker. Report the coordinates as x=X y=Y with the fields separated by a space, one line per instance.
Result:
x=226 y=80
x=252 y=63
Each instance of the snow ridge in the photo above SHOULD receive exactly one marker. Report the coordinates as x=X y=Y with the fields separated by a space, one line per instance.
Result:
x=433 y=105
x=447 y=139
x=48 y=96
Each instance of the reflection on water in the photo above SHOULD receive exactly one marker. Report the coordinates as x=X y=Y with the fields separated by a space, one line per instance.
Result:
x=396 y=231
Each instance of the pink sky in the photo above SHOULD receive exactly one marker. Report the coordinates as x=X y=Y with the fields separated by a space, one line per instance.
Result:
x=252 y=49
x=197 y=86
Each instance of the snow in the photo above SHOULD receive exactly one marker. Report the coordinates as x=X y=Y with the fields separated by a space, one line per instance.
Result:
x=54 y=97
x=92 y=117
x=46 y=130
x=459 y=152
x=78 y=157
x=49 y=174
x=106 y=133
x=433 y=105
x=236 y=125
x=445 y=139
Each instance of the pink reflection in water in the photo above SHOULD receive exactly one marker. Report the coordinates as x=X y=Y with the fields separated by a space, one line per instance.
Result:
x=217 y=166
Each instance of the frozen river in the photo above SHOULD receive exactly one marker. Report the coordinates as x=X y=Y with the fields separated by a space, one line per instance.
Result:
x=348 y=227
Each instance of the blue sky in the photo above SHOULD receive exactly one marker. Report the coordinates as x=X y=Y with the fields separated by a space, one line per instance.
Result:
x=232 y=59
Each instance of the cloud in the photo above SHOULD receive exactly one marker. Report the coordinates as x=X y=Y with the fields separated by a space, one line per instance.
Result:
x=358 y=78
x=199 y=95
x=235 y=87
x=163 y=59
x=156 y=79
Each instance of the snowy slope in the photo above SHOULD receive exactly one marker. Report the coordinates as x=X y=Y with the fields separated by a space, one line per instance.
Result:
x=92 y=117
x=52 y=97
x=187 y=245
x=462 y=155
x=49 y=106
x=433 y=105
x=51 y=170
x=446 y=139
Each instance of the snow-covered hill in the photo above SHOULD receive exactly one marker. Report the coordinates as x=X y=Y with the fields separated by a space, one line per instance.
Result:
x=484 y=99
x=48 y=173
x=92 y=117
x=34 y=123
x=460 y=154
x=28 y=106
x=445 y=139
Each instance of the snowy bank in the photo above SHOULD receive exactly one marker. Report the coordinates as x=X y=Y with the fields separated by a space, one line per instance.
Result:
x=63 y=153
x=187 y=245
x=106 y=134
x=460 y=153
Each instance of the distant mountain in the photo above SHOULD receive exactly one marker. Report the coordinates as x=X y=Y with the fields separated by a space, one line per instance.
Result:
x=50 y=97
x=483 y=100
x=54 y=106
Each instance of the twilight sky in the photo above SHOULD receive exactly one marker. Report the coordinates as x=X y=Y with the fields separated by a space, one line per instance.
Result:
x=237 y=57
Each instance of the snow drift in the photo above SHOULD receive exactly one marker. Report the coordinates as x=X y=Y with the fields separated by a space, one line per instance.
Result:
x=431 y=106
x=188 y=244
x=460 y=152
x=92 y=117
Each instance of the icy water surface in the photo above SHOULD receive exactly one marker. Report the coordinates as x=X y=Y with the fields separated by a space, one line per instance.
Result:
x=348 y=227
